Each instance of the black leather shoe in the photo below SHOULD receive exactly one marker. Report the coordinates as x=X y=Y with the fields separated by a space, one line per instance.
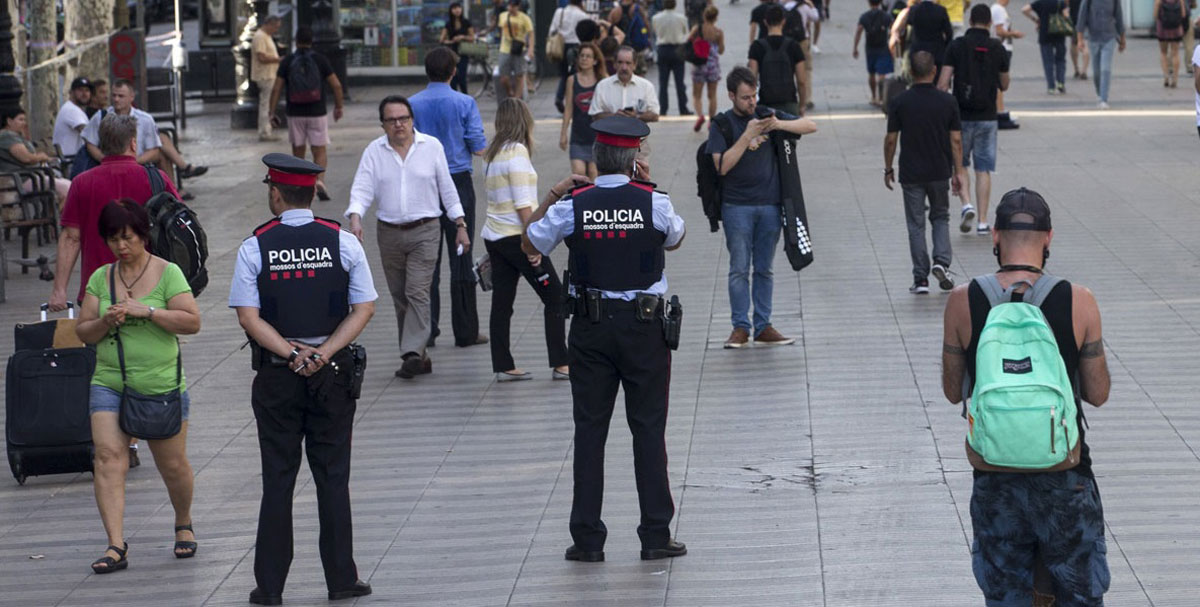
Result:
x=575 y=554
x=360 y=588
x=672 y=549
x=258 y=597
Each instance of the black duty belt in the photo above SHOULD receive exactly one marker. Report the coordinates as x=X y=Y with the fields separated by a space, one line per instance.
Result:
x=408 y=226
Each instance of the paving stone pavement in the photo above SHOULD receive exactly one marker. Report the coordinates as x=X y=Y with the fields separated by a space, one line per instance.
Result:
x=826 y=473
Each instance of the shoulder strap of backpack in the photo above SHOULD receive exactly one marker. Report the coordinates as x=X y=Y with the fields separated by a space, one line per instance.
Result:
x=726 y=128
x=992 y=289
x=156 y=183
x=1041 y=289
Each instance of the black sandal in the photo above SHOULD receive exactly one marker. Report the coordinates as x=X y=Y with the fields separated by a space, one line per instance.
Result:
x=108 y=564
x=188 y=547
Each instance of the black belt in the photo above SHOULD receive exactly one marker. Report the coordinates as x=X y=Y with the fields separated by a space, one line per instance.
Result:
x=408 y=226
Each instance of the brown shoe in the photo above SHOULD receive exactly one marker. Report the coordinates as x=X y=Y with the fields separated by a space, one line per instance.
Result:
x=414 y=366
x=740 y=338
x=770 y=337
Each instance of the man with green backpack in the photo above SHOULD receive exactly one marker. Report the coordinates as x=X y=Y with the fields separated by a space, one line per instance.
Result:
x=1022 y=350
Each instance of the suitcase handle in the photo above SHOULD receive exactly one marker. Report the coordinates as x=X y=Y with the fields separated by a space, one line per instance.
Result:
x=70 y=310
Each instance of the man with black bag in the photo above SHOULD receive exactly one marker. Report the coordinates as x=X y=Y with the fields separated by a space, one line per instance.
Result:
x=623 y=327
x=779 y=63
x=309 y=371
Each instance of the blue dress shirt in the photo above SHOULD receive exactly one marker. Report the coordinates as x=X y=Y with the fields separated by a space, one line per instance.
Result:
x=453 y=119
x=243 y=292
x=559 y=222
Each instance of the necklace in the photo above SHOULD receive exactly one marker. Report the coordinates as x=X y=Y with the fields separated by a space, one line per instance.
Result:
x=129 y=285
x=1020 y=268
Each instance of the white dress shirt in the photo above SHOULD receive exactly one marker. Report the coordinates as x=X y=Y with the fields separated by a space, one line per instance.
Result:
x=670 y=27
x=407 y=189
x=612 y=96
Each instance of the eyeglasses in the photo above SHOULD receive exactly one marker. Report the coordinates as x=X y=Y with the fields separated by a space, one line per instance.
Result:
x=397 y=121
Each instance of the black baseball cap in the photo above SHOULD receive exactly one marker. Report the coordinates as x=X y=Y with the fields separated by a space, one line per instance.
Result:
x=1023 y=209
x=80 y=83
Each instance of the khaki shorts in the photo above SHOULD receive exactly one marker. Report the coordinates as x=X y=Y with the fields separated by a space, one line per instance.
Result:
x=308 y=130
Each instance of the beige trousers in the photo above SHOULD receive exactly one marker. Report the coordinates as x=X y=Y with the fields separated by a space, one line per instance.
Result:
x=264 y=105
x=409 y=257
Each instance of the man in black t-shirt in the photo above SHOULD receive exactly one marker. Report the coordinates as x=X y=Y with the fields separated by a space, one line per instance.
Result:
x=926 y=123
x=758 y=20
x=876 y=23
x=304 y=75
x=931 y=29
x=778 y=62
x=977 y=64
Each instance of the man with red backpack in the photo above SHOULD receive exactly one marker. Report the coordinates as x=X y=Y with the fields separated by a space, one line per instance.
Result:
x=304 y=74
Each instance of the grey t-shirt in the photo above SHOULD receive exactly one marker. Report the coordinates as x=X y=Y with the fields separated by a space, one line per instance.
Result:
x=8 y=162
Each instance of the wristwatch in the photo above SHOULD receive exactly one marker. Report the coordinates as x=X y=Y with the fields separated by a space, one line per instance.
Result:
x=462 y=225
x=151 y=315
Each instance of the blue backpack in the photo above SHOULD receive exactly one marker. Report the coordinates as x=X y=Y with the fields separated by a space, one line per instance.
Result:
x=639 y=35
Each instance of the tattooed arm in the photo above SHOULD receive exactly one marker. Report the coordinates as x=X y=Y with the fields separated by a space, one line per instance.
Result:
x=955 y=339
x=1094 y=380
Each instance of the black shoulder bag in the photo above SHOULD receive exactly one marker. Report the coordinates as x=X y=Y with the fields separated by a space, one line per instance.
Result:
x=153 y=417
x=516 y=47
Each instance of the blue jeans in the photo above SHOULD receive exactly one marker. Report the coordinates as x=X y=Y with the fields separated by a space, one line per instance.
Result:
x=751 y=235
x=1054 y=62
x=1102 y=60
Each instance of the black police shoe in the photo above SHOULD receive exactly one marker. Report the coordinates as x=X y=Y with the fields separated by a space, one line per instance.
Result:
x=672 y=549
x=586 y=556
x=258 y=597
x=360 y=588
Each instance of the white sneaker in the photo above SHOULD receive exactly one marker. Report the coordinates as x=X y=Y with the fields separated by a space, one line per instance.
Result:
x=943 y=277
x=983 y=229
x=1102 y=105
x=815 y=50
x=968 y=218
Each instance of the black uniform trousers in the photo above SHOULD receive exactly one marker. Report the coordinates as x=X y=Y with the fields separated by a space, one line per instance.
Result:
x=621 y=351
x=319 y=411
x=464 y=319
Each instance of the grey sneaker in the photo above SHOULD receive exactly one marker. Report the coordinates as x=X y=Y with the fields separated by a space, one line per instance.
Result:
x=968 y=218
x=943 y=276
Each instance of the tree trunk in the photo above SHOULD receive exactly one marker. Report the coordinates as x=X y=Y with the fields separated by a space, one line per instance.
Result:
x=43 y=81
x=88 y=18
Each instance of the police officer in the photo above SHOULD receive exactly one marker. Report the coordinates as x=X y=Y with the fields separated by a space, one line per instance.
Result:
x=303 y=291
x=616 y=230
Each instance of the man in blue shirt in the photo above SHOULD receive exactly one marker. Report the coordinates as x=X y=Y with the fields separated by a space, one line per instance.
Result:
x=453 y=119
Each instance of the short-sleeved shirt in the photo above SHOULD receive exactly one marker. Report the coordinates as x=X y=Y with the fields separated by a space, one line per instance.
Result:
x=116 y=177
x=1046 y=9
x=150 y=350
x=511 y=184
x=931 y=29
x=559 y=222
x=960 y=52
x=68 y=128
x=263 y=43
x=243 y=290
x=759 y=16
x=8 y=138
x=868 y=20
x=1000 y=18
x=612 y=96
x=513 y=28
x=754 y=180
x=147 y=136
x=924 y=117
x=758 y=50
x=316 y=108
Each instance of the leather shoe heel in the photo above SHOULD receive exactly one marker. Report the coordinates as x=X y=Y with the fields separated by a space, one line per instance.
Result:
x=585 y=556
x=360 y=588
x=672 y=549
x=258 y=597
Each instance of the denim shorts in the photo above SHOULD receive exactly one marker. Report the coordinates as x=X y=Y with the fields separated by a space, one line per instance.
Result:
x=101 y=398
x=1055 y=517
x=880 y=62
x=979 y=140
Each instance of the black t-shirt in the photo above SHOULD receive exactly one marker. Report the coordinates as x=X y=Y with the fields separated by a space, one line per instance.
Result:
x=306 y=109
x=924 y=117
x=960 y=52
x=1057 y=309
x=870 y=19
x=758 y=49
x=754 y=180
x=785 y=91
x=931 y=29
x=759 y=16
x=1045 y=9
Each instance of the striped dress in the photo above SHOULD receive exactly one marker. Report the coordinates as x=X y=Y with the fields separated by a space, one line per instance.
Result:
x=511 y=184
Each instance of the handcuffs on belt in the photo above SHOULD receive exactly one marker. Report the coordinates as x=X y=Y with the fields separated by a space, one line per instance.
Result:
x=259 y=355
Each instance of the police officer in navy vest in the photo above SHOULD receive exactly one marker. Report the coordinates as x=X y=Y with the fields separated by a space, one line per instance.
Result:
x=617 y=231
x=303 y=292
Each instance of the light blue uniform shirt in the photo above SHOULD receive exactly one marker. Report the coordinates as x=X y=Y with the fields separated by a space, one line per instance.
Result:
x=559 y=223
x=243 y=292
x=453 y=119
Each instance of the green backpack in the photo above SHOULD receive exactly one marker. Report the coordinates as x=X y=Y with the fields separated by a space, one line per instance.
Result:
x=1022 y=412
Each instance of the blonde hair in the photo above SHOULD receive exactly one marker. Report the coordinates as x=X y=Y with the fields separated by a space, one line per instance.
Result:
x=514 y=124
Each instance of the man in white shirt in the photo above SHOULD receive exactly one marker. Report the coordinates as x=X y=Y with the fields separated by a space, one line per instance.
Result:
x=1002 y=29
x=148 y=143
x=72 y=118
x=406 y=172
x=627 y=94
x=670 y=30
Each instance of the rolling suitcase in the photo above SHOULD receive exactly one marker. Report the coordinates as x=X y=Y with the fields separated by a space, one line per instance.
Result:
x=892 y=87
x=47 y=427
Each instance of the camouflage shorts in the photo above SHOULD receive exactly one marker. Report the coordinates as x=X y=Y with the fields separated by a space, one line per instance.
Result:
x=1055 y=518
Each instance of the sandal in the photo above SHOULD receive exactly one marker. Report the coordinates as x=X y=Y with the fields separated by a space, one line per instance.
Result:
x=188 y=548
x=107 y=564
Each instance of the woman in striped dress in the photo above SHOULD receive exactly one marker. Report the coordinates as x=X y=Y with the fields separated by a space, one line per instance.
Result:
x=511 y=183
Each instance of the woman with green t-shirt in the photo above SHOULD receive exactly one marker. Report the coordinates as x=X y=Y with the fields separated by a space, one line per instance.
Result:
x=154 y=304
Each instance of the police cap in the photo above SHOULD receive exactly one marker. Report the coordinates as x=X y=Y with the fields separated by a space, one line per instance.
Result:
x=289 y=170
x=620 y=131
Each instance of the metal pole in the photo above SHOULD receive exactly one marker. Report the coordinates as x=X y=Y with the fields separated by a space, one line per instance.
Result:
x=178 y=69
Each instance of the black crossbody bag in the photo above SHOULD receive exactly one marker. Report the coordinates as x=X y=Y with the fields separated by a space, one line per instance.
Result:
x=516 y=47
x=148 y=417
